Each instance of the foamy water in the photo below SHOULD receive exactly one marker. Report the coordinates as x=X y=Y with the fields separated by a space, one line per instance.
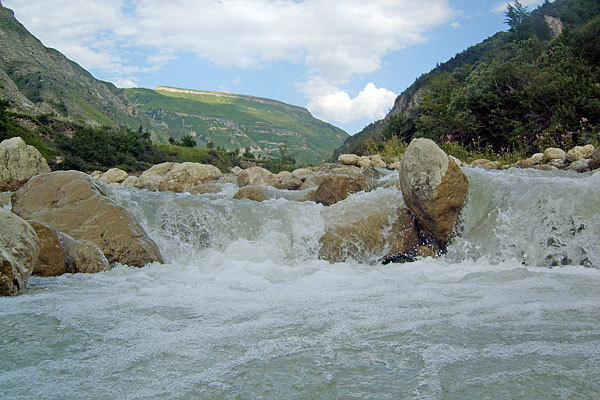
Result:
x=243 y=309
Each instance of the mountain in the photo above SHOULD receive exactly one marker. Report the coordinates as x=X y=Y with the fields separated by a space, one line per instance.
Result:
x=37 y=80
x=536 y=85
x=238 y=121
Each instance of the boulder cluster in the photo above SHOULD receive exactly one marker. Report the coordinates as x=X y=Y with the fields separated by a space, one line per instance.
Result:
x=579 y=159
x=60 y=222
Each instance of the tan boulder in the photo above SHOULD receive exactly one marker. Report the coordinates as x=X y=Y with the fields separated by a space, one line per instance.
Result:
x=288 y=181
x=337 y=187
x=255 y=193
x=433 y=187
x=458 y=162
x=369 y=236
x=256 y=176
x=364 y=162
x=580 y=165
x=377 y=161
x=236 y=170
x=130 y=181
x=72 y=203
x=553 y=153
x=18 y=163
x=19 y=251
x=303 y=173
x=527 y=163
x=309 y=196
x=152 y=177
x=576 y=154
x=183 y=176
x=96 y=174
x=114 y=175
x=486 y=164
x=348 y=159
x=395 y=165
x=61 y=254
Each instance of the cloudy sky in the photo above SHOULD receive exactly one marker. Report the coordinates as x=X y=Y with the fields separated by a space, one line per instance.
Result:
x=345 y=60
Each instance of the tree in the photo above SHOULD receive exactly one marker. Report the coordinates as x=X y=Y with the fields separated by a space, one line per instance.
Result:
x=516 y=17
x=210 y=144
x=172 y=141
x=188 y=141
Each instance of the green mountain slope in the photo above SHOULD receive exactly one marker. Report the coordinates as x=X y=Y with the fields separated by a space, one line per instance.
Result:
x=37 y=79
x=237 y=121
x=536 y=85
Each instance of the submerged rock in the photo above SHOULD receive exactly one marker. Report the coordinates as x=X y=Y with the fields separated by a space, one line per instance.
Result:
x=18 y=163
x=255 y=193
x=19 y=251
x=72 y=203
x=434 y=188
x=369 y=237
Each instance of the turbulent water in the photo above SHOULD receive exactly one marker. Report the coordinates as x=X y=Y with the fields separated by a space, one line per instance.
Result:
x=244 y=309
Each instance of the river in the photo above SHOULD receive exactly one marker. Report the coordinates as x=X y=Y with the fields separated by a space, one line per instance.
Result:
x=244 y=309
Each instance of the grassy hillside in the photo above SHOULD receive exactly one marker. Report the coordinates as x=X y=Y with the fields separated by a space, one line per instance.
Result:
x=519 y=91
x=239 y=122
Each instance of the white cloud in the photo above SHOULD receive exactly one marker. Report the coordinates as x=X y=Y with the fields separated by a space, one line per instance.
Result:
x=335 y=39
x=455 y=25
x=501 y=7
x=335 y=105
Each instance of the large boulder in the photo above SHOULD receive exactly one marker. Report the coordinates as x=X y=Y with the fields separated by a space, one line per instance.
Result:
x=19 y=250
x=348 y=159
x=183 y=176
x=18 y=163
x=553 y=153
x=337 y=187
x=288 y=181
x=61 y=254
x=72 y=203
x=578 y=153
x=257 y=176
x=434 y=188
x=595 y=161
x=114 y=175
x=130 y=181
x=369 y=236
x=152 y=177
x=377 y=161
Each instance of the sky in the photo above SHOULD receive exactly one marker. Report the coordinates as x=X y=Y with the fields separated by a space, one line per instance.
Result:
x=345 y=60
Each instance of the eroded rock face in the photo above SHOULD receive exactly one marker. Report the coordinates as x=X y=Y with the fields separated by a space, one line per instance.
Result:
x=61 y=254
x=369 y=236
x=72 y=203
x=257 y=176
x=19 y=251
x=339 y=186
x=18 y=163
x=434 y=188
x=114 y=175
x=183 y=176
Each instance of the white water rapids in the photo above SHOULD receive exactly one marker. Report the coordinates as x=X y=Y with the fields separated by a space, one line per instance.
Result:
x=243 y=309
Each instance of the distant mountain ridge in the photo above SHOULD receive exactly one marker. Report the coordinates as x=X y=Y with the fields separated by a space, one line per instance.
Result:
x=39 y=80
x=265 y=126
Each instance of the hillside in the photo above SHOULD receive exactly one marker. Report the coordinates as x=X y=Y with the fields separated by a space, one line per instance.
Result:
x=536 y=85
x=235 y=121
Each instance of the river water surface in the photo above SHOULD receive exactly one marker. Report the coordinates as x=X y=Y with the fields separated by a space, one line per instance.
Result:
x=244 y=309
